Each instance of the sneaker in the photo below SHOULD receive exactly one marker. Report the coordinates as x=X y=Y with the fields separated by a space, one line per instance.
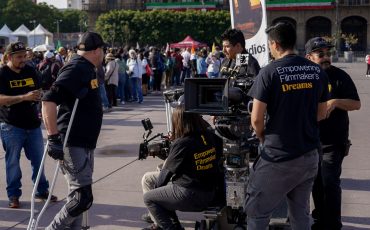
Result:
x=153 y=227
x=140 y=101
x=45 y=197
x=13 y=202
x=146 y=217
x=122 y=102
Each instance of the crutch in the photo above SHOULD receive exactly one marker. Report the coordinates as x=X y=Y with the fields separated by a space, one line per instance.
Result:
x=33 y=223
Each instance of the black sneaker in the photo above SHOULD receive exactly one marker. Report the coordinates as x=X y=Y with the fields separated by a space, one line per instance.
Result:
x=13 y=202
x=146 y=217
x=44 y=197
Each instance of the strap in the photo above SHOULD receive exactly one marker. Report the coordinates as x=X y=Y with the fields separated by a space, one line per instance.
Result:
x=111 y=73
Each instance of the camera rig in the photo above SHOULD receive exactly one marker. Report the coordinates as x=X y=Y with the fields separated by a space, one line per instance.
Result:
x=227 y=99
x=159 y=148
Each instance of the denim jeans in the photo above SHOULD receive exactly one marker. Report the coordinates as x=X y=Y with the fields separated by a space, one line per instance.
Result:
x=13 y=140
x=185 y=74
x=122 y=77
x=137 y=93
x=103 y=95
x=327 y=193
x=271 y=182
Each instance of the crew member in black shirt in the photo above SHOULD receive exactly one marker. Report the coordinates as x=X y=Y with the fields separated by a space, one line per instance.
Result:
x=292 y=92
x=77 y=79
x=233 y=43
x=20 y=93
x=192 y=166
x=326 y=192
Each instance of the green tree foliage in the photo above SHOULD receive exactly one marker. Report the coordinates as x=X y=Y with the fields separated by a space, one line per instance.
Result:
x=125 y=27
x=17 y=12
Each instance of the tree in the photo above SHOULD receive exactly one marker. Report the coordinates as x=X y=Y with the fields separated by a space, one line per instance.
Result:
x=159 y=27
x=349 y=40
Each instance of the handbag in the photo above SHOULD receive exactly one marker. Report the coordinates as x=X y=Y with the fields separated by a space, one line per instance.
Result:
x=148 y=70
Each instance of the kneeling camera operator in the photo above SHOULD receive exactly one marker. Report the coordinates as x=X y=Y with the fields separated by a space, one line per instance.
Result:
x=190 y=174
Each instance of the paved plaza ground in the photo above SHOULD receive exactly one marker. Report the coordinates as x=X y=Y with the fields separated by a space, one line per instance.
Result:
x=118 y=200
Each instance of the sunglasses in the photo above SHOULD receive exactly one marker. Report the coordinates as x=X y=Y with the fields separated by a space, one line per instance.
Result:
x=321 y=54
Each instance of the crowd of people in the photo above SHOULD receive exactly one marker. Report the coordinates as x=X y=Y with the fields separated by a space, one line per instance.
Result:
x=302 y=143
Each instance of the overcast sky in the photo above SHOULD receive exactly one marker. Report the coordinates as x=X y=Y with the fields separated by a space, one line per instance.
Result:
x=57 y=3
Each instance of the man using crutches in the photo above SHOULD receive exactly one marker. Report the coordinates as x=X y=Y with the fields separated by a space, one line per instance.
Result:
x=76 y=81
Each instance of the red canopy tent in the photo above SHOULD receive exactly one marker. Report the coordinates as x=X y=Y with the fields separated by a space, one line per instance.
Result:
x=188 y=42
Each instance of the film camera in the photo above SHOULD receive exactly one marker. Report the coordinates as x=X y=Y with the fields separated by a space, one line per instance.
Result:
x=159 y=144
x=227 y=99
x=153 y=146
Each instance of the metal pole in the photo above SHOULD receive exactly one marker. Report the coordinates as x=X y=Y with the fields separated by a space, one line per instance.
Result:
x=337 y=26
x=34 y=31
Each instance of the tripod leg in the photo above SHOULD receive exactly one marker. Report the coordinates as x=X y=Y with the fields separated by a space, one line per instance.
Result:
x=85 y=221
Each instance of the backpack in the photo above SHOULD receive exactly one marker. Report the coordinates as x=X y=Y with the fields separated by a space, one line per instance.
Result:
x=160 y=65
x=47 y=78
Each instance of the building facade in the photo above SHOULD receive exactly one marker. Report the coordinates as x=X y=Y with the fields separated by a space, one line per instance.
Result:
x=311 y=18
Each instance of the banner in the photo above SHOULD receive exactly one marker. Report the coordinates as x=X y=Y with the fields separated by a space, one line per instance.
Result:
x=250 y=17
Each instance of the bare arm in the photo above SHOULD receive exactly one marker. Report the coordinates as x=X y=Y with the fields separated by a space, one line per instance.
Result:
x=49 y=115
x=321 y=111
x=257 y=118
x=344 y=104
x=34 y=95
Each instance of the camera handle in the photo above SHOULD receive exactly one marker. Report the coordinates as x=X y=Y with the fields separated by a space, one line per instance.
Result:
x=155 y=136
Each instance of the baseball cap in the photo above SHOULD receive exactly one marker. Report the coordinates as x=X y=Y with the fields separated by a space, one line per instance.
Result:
x=317 y=43
x=90 y=41
x=48 y=54
x=15 y=47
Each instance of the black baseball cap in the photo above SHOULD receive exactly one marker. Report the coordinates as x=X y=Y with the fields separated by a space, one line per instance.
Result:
x=90 y=41
x=317 y=43
x=15 y=47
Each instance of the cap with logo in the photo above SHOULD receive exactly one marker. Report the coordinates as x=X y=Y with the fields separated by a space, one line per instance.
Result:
x=15 y=48
x=90 y=41
x=317 y=43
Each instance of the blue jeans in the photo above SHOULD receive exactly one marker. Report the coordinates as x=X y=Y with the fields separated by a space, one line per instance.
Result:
x=212 y=75
x=136 y=89
x=185 y=74
x=103 y=95
x=121 y=86
x=13 y=140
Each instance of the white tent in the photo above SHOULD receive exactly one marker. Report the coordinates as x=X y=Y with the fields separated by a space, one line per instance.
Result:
x=39 y=36
x=6 y=35
x=22 y=33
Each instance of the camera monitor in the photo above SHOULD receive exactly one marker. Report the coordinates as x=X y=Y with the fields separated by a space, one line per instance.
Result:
x=206 y=96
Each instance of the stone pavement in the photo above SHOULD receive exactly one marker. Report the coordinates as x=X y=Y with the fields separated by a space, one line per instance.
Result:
x=118 y=200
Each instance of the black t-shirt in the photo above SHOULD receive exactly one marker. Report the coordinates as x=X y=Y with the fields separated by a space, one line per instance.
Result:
x=194 y=160
x=292 y=87
x=334 y=130
x=73 y=79
x=23 y=115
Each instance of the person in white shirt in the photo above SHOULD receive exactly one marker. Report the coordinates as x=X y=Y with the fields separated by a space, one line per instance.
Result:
x=111 y=78
x=135 y=74
x=214 y=64
x=185 y=65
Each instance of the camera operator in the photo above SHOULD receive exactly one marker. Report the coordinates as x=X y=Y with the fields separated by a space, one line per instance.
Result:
x=233 y=43
x=193 y=169
x=293 y=92
x=326 y=192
